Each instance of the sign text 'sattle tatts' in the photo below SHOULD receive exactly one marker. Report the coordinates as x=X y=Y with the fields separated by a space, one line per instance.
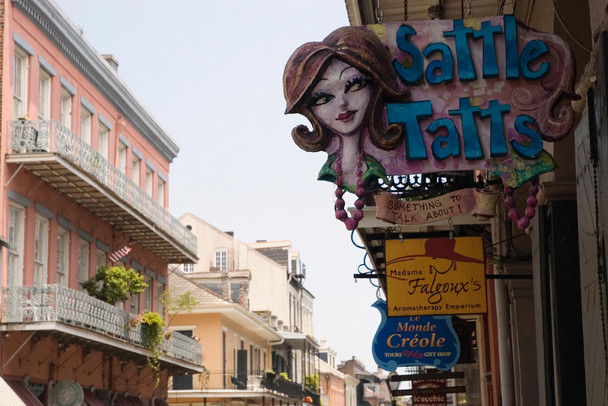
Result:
x=482 y=94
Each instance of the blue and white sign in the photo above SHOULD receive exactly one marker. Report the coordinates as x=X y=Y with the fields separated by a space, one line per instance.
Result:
x=415 y=340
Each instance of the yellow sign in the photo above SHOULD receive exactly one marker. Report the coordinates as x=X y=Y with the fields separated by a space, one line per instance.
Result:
x=434 y=276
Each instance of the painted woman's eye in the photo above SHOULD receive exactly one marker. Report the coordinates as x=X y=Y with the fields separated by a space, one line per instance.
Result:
x=320 y=98
x=356 y=83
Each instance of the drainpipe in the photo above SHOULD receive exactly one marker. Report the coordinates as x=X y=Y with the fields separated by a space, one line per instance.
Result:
x=502 y=321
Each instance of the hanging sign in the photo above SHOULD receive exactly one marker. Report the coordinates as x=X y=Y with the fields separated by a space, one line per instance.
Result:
x=396 y=211
x=430 y=96
x=419 y=340
x=429 y=399
x=433 y=276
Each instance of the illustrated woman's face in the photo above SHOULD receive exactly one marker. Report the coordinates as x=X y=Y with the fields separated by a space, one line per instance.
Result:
x=341 y=98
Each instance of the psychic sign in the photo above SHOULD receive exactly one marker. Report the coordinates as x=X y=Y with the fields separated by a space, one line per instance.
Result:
x=434 y=276
x=430 y=96
x=419 y=340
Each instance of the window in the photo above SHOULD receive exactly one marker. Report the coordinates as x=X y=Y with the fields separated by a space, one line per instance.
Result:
x=149 y=180
x=148 y=294
x=85 y=125
x=188 y=268
x=65 y=107
x=41 y=238
x=160 y=192
x=160 y=297
x=134 y=304
x=63 y=256
x=20 y=73
x=104 y=133
x=15 y=250
x=136 y=163
x=101 y=258
x=83 y=261
x=44 y=95
x=220 y=260
x=121 y=160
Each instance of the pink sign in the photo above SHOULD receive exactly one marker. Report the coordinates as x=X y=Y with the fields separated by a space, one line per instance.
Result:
x=430 y=96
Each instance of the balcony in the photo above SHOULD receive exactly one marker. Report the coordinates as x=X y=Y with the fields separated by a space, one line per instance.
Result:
x=65 y=161
x=69 y=313
x=217 y=384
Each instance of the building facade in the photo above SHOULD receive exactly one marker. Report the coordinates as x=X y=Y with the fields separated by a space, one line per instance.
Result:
x=236 y=353
x=85 y=172
x=543 y=339
x=266 y=278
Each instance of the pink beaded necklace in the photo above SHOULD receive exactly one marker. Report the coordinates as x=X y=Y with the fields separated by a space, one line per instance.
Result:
x=351 y=223
x=522 y=221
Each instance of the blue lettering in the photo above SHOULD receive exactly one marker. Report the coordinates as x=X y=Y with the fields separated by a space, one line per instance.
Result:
x=490 y=64
x=408 y=114
x=536 y=143
x=533 y=50
x=466 y=71
x=498 y=146
x=470 y=137
x=444 y=66
x=410 y=75
x=444 y=145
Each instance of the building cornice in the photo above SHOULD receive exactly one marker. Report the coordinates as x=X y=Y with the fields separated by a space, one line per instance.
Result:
x=56 y=26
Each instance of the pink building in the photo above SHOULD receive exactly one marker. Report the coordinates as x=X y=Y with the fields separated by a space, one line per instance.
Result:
x=85 y=171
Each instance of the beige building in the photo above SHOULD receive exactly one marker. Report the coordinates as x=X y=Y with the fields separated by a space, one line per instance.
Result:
x=265 y=278
x=237 y=347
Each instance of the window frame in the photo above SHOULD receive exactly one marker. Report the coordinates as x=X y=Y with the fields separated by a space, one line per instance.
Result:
x=41 y=250
x=44 y=95
x=66 y=107
x=220 y=263
x=20 y=82
x=83 y=261
x=86 y=120
x=63 y=257
x=16 y=235
x=121 y=157
x=103 y=140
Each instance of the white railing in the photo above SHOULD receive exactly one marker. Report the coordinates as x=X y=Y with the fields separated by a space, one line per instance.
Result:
x=35 y=136
x=59 y=304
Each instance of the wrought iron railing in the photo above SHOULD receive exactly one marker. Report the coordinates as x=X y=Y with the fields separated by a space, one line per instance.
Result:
x=230 y=380
x=38 y=136
x=424 y=186
x=60 y=304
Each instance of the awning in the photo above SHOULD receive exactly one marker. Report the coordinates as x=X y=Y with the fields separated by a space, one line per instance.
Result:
x=90 y=399
x=8 y=396
x=26 y=397
x=121 y=400
x=135 y=401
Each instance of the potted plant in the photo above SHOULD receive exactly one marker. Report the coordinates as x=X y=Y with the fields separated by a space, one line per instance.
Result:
x=114 y=284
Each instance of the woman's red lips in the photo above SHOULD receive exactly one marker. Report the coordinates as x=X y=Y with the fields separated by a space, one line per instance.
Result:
x=347 y=116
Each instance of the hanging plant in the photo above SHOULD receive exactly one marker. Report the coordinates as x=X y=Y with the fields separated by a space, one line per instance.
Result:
x=152 y=325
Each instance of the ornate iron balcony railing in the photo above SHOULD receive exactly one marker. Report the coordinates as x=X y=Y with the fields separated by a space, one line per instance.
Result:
x=43 y=136
x=257 y=381
x=55 y=303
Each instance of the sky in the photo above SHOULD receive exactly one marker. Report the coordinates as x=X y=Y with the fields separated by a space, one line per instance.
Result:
x=210 y=72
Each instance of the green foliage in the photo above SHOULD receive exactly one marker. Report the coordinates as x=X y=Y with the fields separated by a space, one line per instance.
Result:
x=284 y=376
x=114 y=284
x=178 y=304
x=152 y=324
x=312 y=382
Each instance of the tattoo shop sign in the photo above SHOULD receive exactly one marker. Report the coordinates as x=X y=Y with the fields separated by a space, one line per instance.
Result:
x=420 y=340
x=435 y=276
x=420 y=97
